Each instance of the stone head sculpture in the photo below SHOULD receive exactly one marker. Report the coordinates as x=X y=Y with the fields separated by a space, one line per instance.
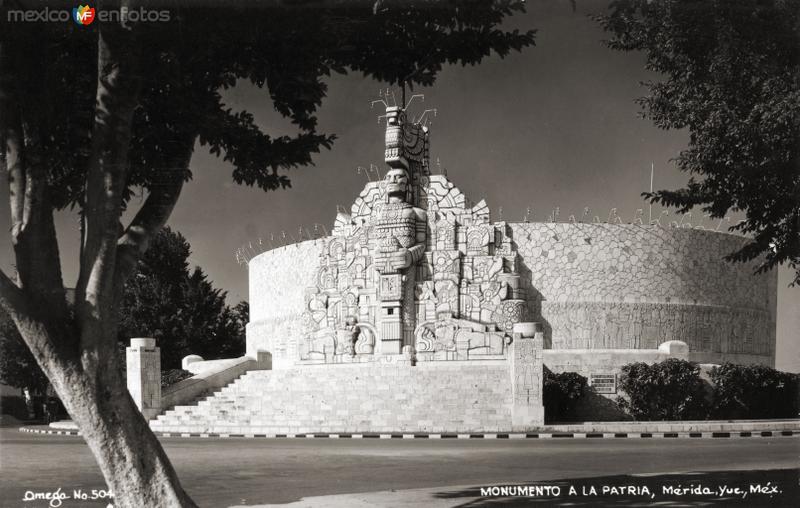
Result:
x=397 y=184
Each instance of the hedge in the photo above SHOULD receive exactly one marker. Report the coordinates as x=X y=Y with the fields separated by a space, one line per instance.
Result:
x=754 y=391
x=561 y=393
x=668 y=390
x=172 y=376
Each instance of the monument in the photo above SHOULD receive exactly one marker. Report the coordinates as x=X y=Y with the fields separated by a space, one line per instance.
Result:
x=417 y=273
x=412 y=267
x=417 y=313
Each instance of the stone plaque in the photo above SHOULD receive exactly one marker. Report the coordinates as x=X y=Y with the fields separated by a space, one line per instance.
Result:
x=603 y=383
x=390 y=286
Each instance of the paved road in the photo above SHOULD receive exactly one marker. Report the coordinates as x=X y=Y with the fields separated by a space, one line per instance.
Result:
x=225 y=472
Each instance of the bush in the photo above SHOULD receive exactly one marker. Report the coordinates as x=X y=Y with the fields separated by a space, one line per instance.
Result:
x=669 y=390
x=754 y=391
x=15 y=406
x=561 y=393
x=172 y=376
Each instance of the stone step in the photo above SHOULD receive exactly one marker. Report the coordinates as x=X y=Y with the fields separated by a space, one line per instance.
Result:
x=350 y=398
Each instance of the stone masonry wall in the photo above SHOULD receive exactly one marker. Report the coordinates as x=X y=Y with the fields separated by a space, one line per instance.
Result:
x=593 y=286
x=278 y=280
x=628 y=286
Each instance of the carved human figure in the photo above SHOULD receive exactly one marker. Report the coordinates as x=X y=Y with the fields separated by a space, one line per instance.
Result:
x=348 y=336
x=400 y=226
x=399 y=239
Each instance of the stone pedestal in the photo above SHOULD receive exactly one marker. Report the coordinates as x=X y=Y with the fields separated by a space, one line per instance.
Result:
x=143 y=360
x=391 y=328
x=527 y=371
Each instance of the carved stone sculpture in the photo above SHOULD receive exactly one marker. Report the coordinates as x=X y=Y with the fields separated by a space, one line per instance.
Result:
x=399 y=240
x=381 y=275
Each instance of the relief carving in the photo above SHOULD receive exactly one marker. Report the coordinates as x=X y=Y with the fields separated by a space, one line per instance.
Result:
x=380 y=275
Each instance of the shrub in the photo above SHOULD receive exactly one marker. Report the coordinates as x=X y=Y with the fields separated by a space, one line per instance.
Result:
x=172 y=376
x=561 y=393
x=754 y=391
x=669 y=390
x=15 y=406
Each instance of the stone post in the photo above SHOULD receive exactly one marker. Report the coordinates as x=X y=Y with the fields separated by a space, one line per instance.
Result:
x=527 y=372
x=264 y=360
x=143 y=361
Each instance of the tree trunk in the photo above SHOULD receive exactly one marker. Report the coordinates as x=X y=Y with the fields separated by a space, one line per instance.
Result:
x=77 y=350
x=134 y=464
x=131 y=458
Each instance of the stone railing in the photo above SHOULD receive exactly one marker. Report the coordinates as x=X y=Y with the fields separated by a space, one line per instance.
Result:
x=144 y=376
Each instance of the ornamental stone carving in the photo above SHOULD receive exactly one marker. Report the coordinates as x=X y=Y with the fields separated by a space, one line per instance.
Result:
x=413 y=266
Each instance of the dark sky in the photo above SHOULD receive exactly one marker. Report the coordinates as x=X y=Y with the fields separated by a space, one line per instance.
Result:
x=554 y=126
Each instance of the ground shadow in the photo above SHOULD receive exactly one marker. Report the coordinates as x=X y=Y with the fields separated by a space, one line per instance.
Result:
x=594 y=407
x=778 y=487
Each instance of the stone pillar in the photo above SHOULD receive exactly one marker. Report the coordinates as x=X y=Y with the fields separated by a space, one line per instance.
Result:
x=264 y=360
x=143 y=360
x=527 y=377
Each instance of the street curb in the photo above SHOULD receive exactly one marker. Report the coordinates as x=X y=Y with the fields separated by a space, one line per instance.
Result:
x=43 y=431
x=494 y=435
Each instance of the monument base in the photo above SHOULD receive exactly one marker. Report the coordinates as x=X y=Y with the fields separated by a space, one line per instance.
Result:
x=526 y=417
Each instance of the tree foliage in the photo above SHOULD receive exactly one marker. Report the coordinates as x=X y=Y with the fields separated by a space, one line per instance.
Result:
x=754 y=391
x=287 y=52
x=18 y=367
x=173 y=376
x=729 y=73
x=561 y=392
x=92 y=115
x=179 y=307
x=668 y=390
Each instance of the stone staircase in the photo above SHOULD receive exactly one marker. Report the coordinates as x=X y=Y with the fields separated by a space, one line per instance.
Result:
x=358 y=398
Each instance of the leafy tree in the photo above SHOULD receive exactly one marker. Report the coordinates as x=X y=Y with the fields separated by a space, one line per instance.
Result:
x=178 y=307
x=668 y=390
x=729 y=76
x=90 y=114
x=18 y=367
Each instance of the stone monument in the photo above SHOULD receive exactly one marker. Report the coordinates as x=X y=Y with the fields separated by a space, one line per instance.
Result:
x=412 y=266
x=419 y=314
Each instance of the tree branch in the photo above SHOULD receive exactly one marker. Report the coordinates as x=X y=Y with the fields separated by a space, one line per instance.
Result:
x=22 y=127
x=12 y=299
x=117 y=96
x=11 y=140
x=153 y=215
x=118 y=86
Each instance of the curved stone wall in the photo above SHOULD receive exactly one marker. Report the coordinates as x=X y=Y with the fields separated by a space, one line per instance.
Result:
x=617 y=286
x=278 y=280
x=593 y=286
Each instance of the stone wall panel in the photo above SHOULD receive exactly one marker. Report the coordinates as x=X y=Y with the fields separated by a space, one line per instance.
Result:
x=593 y=286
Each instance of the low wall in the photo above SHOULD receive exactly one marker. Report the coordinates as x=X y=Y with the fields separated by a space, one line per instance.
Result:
x=609 y=361
x=209 y=376
x=605 y=365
